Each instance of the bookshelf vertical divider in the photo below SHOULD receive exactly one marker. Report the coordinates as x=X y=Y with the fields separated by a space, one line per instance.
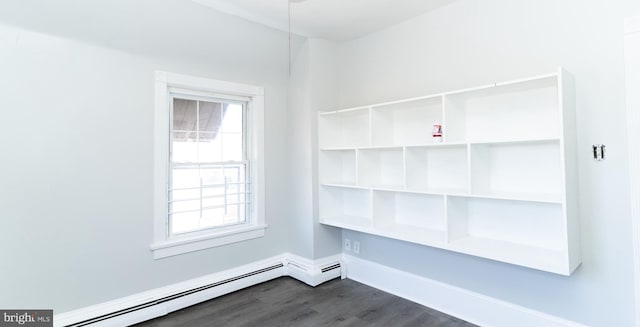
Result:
x=501 y=185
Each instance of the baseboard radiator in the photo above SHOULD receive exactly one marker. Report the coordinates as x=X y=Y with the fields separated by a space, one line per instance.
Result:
x=330 y=268
x=301 y=269
x=171 y=297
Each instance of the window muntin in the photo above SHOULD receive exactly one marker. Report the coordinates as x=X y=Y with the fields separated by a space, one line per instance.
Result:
x=209 y=171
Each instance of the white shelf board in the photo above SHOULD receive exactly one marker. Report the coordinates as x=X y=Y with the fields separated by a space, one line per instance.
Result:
x=529 y=79
x=344 y=148
x=415 y=145
x=519 y=254
x=454 y=92
x=449 y=144
x=469 y=89
x=438 y=191
x=414 y=234
x=352 y=186
x=491 y=87
x=515 y=141
x=333 y=112
x=380 y=147
x=389 y=103
x=436 y=145
x=388 y=188
x=453 y=144
x=356 y=223
x=544 y=198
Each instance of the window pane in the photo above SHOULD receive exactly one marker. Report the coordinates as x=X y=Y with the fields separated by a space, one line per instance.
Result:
x=184 y=147
x=210 y=147
x=211 y=114
x=184 y=137
x=212 y=176
x=183 y=178
x=234 y=174
x=185 y=222
x=213 y=191
x=184 y=114
x=232 y=187
x=212 y=217
x=231 y=215
x=232 y=149
x=184 y=194
x=233 y=119
x=185 y=206
x=213 y=202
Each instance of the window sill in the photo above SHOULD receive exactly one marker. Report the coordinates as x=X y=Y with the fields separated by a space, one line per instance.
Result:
x=182 y=245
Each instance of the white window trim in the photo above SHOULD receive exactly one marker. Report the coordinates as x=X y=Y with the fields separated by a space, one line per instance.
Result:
x=164 y=246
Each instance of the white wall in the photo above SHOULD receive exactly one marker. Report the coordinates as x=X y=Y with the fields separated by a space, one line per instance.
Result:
x=299 y=145
x=76 y=97
x=324 y=87
x=313 y=84
x=632 y=75
x=470 y=43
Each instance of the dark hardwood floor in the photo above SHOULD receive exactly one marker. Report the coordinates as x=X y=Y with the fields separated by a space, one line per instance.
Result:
x=288 y=302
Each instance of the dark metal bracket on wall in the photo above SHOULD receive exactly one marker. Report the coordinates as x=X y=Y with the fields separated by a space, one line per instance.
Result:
x=598 y=152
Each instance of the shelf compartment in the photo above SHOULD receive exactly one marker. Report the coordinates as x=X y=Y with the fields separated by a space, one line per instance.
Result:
x=414 y=217
x=342 y=129
x=519 y=111
x=345 y=206
x=409 y=122
x=338 y=167
x=382 y=167
x=518 y=232
x=524 y=170
x=441 y=169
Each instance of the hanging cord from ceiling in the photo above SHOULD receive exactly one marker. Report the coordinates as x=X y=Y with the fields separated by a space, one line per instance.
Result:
x=289 y=29
x=289 y=26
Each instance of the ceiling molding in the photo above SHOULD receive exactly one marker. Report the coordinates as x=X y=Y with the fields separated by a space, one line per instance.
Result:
x=337 y=20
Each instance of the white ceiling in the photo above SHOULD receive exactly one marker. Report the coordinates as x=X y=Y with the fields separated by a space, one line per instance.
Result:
x=337 y=20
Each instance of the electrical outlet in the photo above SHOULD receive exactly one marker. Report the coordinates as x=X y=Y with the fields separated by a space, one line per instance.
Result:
x=347 y=244
x=356 y=247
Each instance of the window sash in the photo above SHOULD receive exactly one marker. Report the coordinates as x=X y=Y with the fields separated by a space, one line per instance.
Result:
x=243 y=187
x=207 y=96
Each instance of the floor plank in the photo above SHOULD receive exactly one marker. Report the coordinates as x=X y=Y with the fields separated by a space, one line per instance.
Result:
x=288 y=302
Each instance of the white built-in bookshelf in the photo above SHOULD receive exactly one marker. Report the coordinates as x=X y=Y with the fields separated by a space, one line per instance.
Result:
x=501 y=185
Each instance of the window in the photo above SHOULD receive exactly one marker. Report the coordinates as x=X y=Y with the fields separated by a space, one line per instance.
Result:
x=208 y=180
x=208 y=167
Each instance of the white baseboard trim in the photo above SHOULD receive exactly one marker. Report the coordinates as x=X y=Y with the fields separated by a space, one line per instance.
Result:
x=158 y=302
x=473 y=307
x=311 y=271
